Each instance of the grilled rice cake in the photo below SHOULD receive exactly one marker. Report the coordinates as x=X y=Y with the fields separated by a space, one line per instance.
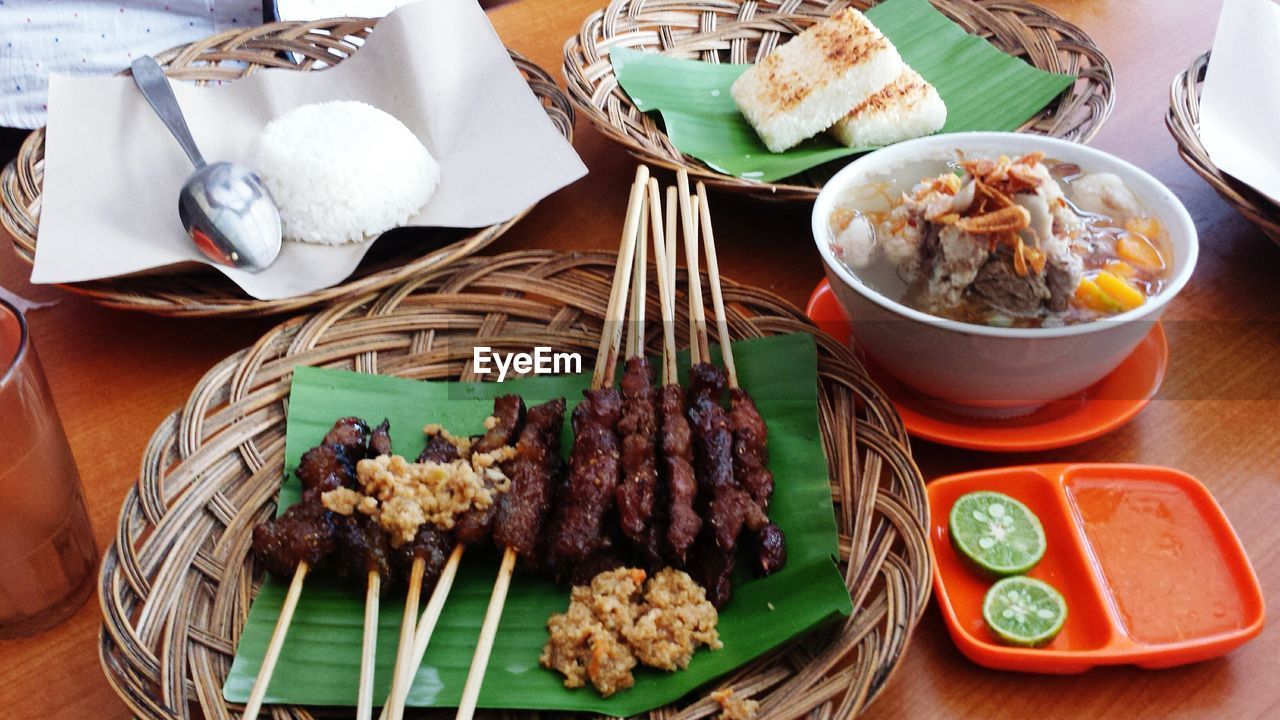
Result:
x=909 y=107
x=809 y=83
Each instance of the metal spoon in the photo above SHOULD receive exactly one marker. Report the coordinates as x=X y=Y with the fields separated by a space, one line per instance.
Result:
x=227 y=211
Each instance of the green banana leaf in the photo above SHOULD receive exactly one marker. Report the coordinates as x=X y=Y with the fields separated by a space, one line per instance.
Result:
x=984 y=89
x=320 y=661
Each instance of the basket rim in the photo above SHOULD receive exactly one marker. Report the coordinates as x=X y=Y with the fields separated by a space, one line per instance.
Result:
x=204 y=293
x=893 y=573
x=587 y=81
x=1182 y=119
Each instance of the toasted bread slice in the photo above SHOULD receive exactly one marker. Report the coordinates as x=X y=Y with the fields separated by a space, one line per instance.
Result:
x=909 y=107
x=809 y=83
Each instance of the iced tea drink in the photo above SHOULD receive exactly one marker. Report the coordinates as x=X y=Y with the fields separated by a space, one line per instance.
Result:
x=47 y=553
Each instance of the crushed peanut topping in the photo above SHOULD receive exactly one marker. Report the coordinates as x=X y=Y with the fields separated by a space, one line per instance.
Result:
x=619 y=621
x=410 y=494
x=734 y=707
x=490 y=422
x=493 y=457
x=462 y=443
x=342 y=501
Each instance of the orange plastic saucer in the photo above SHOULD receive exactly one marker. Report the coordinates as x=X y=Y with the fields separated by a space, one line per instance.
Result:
x=1111 y=619
x=1110 y=403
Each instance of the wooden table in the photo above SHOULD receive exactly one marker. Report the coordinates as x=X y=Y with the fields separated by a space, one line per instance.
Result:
x=115 y=376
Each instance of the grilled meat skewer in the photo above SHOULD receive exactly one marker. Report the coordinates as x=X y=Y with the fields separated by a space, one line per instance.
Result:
x=683 y=521
x=476 y=525
x=594 y=469
x=638 y=427
x=533 y=473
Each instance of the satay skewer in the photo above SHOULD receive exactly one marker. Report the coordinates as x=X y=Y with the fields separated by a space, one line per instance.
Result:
x=329 y=470
x=254 y=705
x=749 y=431
x=603 y=375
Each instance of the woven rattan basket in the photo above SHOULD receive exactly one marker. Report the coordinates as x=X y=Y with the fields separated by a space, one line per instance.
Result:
x=228 y=56
x=742 y=32
x=1183 y=121
x=177 y=582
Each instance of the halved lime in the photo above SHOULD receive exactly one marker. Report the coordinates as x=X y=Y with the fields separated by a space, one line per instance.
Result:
x=1024 y=611
x=996 y=534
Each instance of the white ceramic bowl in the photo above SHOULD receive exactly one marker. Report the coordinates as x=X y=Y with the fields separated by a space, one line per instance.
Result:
x=992 y=371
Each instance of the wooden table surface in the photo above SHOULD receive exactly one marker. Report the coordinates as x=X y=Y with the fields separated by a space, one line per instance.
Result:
x=115 y=376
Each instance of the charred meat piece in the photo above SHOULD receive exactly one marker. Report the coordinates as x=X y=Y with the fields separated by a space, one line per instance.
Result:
x=651 y=550
x=730 y=506
x=594 y=471
x=606 y=555
x=706 y=381
x=363 y=547
x=508 y=414
x=679 y=482
x=476 y=525
x=770 y=548
x=730 y=510
x=430 y=544
x=324 y=468
x=713 y=569
x=638 y=428
x=351 y=434
x=602 y=560
x=712 y=436
x=439 y=450
x=726 y=503
x=750 y=447
x=380 y=440
x=534 y=473
x=303 y=533
x=751 y=471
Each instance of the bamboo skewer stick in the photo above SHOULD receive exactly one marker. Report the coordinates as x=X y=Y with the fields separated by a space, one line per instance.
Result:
x=673 y=209
x=402 y=681
x=606 y=366
x=259 y=691
x=488 y=632
x=666 y=283
x=717 y=297
x=408 y=627
x=369 y=647
x=611 y=337
x=698 y=349
x=699 y=346
x=639 y=282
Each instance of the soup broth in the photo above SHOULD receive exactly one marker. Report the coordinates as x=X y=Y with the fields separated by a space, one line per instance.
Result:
x=1025 y=242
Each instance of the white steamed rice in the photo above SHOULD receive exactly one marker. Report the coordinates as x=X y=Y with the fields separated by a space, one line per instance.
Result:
x=343 y=171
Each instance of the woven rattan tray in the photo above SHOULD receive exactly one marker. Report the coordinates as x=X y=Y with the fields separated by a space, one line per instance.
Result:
x=1183 y=120
x=228 y=56
x=177 y=582
x=741 y=32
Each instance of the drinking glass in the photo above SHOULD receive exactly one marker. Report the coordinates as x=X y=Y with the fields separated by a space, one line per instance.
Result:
x=47 y=552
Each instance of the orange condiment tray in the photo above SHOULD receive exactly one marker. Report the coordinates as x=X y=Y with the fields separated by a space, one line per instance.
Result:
x=1151 y=570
